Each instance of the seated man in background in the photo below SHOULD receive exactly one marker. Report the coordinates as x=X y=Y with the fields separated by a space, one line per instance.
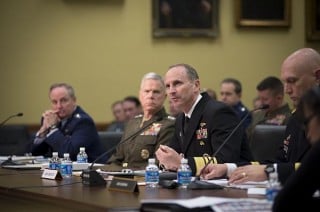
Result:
x=212 y=93
x=135 y=149
x=211 y=122
x=119 y=118
x=300 y=71
x=271 y=92
x=230 y=93
x=132 y=107
x=66 y=127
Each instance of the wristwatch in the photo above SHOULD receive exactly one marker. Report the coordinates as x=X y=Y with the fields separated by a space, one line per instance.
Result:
x=53 y=127
x=269 y=169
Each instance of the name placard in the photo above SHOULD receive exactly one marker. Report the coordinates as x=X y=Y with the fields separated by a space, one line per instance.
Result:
x=123 y=184
x=51 y=174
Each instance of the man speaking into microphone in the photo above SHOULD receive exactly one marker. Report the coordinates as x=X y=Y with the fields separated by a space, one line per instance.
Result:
x=144 y=133
x=211 y=122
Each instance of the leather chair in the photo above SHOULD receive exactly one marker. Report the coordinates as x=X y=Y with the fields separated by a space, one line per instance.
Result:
x=266 y=141
x=14 y=140
x=110 y=140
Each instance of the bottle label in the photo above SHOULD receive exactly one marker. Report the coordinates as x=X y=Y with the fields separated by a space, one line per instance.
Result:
x=54 y=166
x=152 y=177
x=82 y=158
x=271 y=193
x=66 y=169
x=184 y=177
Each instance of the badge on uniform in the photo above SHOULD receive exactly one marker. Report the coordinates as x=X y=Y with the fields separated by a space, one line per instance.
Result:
x=153 y=130
x=202 y=132
x=145 y=154
x=286 y=144
x=278 y=120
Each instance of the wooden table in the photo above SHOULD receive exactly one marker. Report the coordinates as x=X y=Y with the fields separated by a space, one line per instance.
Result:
x=26 y=191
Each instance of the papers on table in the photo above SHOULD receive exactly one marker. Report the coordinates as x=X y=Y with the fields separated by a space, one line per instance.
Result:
x=38 y=162
x=22 y=159
x=246 y=185
x=256 y=188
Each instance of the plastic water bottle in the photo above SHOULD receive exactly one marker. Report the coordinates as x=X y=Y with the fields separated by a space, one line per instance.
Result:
x=54 y=162
x=184 y=174
x=82 y=156
x=66 y=166
x=273 y=187
x=152 y=174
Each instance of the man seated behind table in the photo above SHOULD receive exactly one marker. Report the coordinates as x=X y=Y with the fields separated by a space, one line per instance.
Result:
x=66 y=127
x=135 y=152
x=231 y=94
x=271 y=92
x=131 y=106
x=117 y=125
x=211 y=122
x=300 y=71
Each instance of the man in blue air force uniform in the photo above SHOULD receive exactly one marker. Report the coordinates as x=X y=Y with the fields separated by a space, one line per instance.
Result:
x=66 y=127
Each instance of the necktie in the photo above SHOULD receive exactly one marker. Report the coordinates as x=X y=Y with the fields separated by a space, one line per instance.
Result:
x=185 y=124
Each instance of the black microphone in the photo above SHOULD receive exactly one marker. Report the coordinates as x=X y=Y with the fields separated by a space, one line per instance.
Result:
x=10 y=117
x=9 y=161
x=93 y=178
x=262 y=107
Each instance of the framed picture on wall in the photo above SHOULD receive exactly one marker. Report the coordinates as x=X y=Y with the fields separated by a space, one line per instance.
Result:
x=184 y=18
x=312 y=19
x=263 y=13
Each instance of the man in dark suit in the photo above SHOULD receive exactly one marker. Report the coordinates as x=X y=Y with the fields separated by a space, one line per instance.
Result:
x=66 y=127
x=211 y=122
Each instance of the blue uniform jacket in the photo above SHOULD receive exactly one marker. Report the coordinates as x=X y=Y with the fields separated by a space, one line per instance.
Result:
x=78 y=131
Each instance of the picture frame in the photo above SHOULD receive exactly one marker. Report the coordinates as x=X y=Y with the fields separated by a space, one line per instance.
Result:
x=312 y=15
x=176 y=18
x=263 y=13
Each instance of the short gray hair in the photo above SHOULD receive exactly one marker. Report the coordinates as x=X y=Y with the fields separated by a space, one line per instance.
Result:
x=68 y=87
x=153 y=76
x=191 y=72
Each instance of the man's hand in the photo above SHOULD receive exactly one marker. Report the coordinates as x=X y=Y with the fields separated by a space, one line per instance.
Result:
x=50 y=118
x=248 y=173
x=168 y=157
x=213 y=171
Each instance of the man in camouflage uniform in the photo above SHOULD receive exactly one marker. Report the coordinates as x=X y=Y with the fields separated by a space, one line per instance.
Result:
x=133 y=150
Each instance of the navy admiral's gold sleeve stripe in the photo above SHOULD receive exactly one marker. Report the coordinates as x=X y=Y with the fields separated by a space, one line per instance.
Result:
x=200 y=162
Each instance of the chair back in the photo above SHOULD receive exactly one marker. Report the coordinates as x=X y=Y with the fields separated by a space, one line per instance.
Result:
x=110 y=140
x=14 y=140
x=266 y=141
